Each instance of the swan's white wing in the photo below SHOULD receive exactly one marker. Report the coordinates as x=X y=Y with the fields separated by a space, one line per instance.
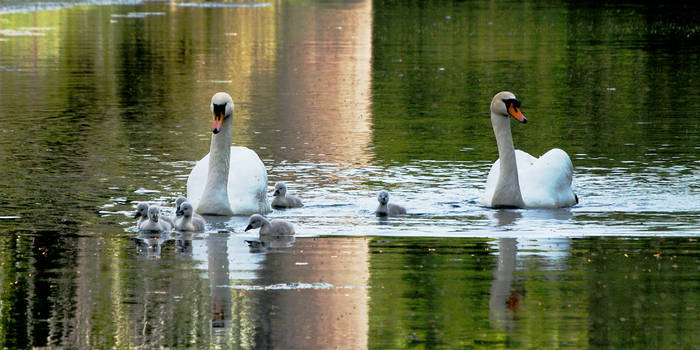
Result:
x=491 y=182
x=547 y=182
x=247 y=182
x=522 y=159
x=197 y=180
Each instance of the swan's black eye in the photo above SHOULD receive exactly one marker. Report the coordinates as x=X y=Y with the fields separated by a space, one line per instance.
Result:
x=512 y=101
x=219 y=109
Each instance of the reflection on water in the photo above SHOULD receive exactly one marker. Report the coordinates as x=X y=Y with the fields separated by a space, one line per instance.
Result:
x=102 y=107
x=321 y=84
x=278 y=295
x=150 y=244
x=504 y=301
x=513 y=293
x=19 y=6
x=265 y=242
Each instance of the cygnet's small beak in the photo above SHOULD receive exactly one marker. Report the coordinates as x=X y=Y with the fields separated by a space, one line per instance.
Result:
x=277 y=193
x=179 y=212
x=137 y=215
x=248 y=228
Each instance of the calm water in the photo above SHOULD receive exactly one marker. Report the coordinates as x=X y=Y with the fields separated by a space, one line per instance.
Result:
x=105 y=104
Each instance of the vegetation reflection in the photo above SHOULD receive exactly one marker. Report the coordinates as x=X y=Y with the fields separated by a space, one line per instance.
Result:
x=579 y=293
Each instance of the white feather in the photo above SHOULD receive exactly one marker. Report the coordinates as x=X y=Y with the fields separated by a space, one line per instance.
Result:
x=247 y=182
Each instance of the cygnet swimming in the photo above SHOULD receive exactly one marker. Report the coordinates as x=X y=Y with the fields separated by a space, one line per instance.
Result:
x=141 y=213
x=178 y=203
x=187 y=220
x=274 y=227
x=282 y=200
x=178 y=212
x=388 y=209
x=154 y=222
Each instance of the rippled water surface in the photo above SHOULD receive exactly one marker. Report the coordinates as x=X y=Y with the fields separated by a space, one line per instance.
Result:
x=104 y=104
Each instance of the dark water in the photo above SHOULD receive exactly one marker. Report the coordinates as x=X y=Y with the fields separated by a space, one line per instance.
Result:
x=105 y=104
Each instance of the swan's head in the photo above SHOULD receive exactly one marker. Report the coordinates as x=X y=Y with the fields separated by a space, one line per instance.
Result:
x=185 y=210
x=255 y=221
x=280 y=189
x=178 y=203
x=221 y=108
x=141 y=211
x=505 y=104
x=153 y=213
x=383 y=197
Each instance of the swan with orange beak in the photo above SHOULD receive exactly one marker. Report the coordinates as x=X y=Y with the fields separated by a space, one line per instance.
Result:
x=517 y=179
x=229 y=180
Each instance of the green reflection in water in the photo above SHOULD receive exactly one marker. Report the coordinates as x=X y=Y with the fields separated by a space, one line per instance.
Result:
x=83 y=104
x=427 y=293
x=576 y=293
x=85 y=292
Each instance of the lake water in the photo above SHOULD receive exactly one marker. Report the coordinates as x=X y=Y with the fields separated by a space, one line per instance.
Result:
x=104 y=104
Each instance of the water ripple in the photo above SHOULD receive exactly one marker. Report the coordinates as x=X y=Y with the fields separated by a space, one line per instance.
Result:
x=222 y=4
x=50 y=6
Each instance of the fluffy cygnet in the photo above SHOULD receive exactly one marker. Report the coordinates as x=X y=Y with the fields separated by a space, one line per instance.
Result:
x=154 y=222
x=388 y=209
x=187 y=220
x=141 y=213
x=178 y=203
x=178 y=212
x=274 y=227
x=282 y=200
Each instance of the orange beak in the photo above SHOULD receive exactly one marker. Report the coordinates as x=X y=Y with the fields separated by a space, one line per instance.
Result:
x=218 y=121
x=515 y=113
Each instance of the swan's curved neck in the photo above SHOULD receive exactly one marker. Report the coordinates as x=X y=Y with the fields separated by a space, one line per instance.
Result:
x=507 y=192
x=215 y=196
x=220 y=151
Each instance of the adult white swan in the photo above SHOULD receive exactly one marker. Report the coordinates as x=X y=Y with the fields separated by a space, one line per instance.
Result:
x=519 y=180
x=214 y=190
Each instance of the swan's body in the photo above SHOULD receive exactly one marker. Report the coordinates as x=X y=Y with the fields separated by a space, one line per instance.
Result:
x=388 y=209
x=274 y=227
x=282 y=200
x=154 y=223
x=188 y=221
x=211 y=187
x=519 y=180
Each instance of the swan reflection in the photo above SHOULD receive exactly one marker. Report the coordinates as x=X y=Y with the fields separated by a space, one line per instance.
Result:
x=506 y=217
x=509 y=217
x=504 y=297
